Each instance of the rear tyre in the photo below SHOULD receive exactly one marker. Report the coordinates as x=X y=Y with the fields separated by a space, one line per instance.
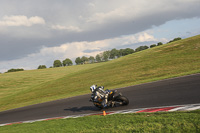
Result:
x=123 y=99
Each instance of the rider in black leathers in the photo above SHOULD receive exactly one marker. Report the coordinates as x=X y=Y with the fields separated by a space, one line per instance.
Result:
x=98 y=92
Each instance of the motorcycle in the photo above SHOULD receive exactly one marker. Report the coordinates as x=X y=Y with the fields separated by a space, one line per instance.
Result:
x=114 y=99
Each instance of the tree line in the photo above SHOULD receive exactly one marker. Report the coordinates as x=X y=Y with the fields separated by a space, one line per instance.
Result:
x=58 y=63
x=102 y=57
x=111 y=54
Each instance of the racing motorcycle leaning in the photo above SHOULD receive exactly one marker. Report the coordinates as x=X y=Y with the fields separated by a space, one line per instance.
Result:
x=114 y=99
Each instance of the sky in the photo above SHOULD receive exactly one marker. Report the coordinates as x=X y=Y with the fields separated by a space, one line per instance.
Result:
x=37 y=32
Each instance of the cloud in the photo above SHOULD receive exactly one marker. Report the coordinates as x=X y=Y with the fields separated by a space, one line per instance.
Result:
x=72 y=50
x=133 y=15
x=21 y=20
x=146 y=37
x=101 y=17
x=69 y=28
x=75 y=49
x=27 y=27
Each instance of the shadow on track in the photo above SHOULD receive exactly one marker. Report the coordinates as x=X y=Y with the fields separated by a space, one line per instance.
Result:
x=81 y=109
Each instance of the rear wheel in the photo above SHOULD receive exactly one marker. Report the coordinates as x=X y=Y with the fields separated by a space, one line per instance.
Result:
x=123 y=100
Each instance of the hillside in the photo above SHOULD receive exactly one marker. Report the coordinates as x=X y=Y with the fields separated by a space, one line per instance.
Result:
x=36 y=86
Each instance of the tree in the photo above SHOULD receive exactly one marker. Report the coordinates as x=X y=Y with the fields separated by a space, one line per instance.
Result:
x=84 y=60
x=153 y=45
x=67 y=62
x=114 y=53
x=78 y=61
x=98 y=58
x=42 y=67
x=91 y=59
x=141 y=48
x=57 y=63
x=106 y=55
x=160 y=43
x=127 y=51
x=121 y=52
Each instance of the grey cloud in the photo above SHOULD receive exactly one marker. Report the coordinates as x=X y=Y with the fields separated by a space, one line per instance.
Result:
x=18 y=42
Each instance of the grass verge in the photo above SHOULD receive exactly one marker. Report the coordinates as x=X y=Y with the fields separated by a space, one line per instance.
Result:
x=179 y=122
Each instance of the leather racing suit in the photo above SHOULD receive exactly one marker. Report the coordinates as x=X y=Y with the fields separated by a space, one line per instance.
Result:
x=103 y=95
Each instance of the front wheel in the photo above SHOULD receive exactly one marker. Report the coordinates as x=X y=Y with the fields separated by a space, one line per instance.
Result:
x=123 y=100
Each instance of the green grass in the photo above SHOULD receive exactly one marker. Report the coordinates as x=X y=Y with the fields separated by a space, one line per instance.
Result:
x=31 y=87
x=177 y=122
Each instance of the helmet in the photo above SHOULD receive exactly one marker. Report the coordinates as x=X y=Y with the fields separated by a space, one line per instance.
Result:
x=102 y=87
x=93 y=87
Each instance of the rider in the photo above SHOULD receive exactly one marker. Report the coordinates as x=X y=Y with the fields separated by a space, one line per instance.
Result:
x=100 y=93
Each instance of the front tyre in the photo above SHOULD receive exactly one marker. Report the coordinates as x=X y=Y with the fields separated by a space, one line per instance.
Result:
x=123 y=100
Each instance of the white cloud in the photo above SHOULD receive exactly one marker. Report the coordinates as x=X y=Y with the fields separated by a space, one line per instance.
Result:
x=101 y=17
x=76 y=49
x=21 y=21
x=146 y=37
x=69 y=28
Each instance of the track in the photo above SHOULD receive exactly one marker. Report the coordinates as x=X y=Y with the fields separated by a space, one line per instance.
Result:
x=176 y=91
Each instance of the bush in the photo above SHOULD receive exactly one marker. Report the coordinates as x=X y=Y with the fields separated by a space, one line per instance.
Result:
x=160 y=43
x=175 y=39
x=42 y=67
x=15 y=70
x=153 y=45
x=141 y=48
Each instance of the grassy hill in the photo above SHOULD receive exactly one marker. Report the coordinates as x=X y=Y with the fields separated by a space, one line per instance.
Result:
x=169 y=60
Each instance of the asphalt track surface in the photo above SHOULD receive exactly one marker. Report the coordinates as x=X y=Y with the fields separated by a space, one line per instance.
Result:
x=175 y=91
